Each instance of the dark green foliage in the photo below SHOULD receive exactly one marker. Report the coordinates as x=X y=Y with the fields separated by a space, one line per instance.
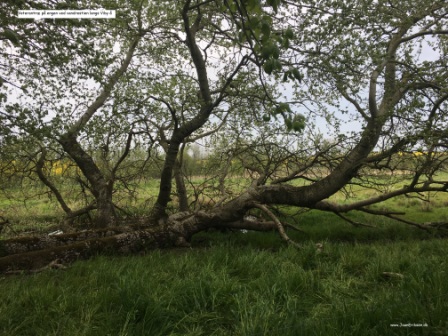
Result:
x=10 y=35
x=274 y=3
x=271 y=65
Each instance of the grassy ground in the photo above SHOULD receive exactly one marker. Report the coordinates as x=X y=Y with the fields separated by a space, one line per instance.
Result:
x=387 y=280
x=239 y=284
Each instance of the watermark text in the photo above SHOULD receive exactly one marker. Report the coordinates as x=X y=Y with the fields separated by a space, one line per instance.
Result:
x=67 y=14
x=409 y=325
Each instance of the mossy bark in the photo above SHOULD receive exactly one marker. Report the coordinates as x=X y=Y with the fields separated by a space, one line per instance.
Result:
x=34 y=243
x=124 y=243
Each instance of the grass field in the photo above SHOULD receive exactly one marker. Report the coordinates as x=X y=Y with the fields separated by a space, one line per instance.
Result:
x=386 y=280
x=240 y=284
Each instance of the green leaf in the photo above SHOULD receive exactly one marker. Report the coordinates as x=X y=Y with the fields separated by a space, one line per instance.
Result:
x=266 y=29
x=298 y=123
x=274 y=4
x=233 y=7
x=289 y=34
x=270 y=49
x=253 y=5
x=268 y=66
x=266 y=51
x=277 y=64
x=282 y=108
x=11 y=36
x=254 y=23
x=297 y=75
x=275 y=51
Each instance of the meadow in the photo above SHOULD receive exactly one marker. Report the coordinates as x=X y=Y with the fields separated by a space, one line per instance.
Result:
x=389 y=279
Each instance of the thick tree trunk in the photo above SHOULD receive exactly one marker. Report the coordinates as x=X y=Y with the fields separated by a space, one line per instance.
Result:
x=180 y=133
x=31 y=253
x=124 y=243
x=163 y=198
x=105 y=207
x=101 y=186
x=28 y=244
x=180 y=187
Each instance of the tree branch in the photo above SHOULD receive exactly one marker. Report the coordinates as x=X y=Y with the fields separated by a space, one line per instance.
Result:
x=105 y=94
x=280 y=228
x=39 y=170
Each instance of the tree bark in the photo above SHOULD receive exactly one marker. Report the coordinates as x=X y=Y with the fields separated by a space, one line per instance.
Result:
x=179 y=134
x=164 y=196
x=101 y=187
x=124 y=243
x=31 y=253
x=28 y=244
x=180 y=186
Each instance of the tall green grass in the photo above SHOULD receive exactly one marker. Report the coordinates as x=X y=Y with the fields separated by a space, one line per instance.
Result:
x=226 y=288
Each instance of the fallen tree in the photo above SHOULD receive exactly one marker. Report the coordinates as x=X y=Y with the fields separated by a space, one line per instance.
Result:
x=399 y=102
